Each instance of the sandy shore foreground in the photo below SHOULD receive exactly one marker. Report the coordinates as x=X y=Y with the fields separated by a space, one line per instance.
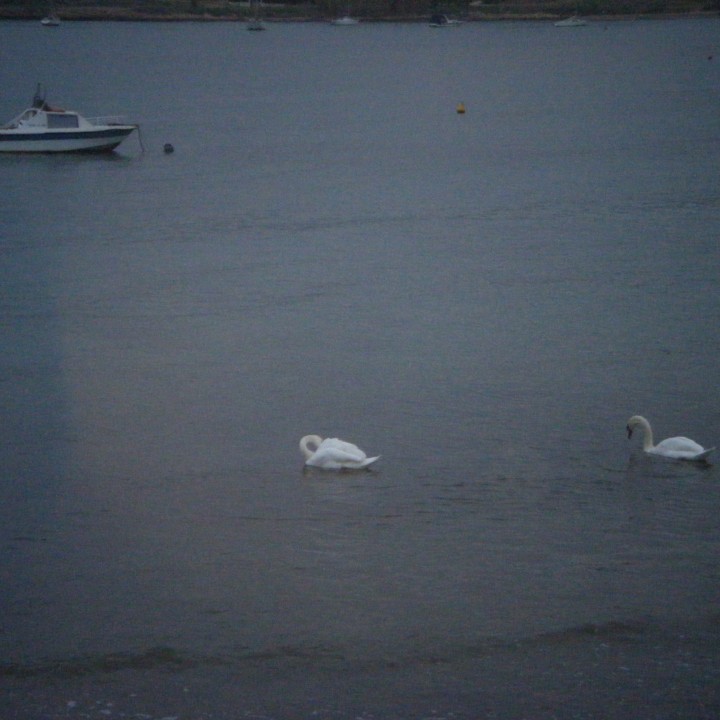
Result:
x=624 y=671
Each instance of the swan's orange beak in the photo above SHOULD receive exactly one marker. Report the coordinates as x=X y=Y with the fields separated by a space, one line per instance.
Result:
x=629 y=429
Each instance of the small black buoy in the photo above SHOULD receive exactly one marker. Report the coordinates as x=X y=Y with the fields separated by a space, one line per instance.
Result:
x=168 y=148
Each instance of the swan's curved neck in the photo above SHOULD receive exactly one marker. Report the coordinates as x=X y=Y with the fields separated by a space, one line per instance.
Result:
x=306 y=441
x=647 y=434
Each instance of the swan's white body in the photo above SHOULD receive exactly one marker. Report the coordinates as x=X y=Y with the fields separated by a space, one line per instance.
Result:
x=333 y=454
x=679 y=448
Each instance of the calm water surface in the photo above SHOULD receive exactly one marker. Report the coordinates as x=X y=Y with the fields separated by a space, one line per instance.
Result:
x=484 y=299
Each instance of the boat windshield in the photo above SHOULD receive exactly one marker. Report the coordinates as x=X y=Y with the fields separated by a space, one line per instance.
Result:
x=23 y=117
x=62 y=120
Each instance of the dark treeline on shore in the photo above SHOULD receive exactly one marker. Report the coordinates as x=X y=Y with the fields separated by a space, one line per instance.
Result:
x=388 y=10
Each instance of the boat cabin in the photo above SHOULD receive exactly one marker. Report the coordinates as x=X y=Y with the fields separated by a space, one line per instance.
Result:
x=50 y=119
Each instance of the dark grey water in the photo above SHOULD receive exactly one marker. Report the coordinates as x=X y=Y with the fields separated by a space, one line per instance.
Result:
x=484 y=299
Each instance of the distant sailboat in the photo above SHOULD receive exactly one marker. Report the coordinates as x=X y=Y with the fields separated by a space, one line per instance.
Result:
x=255 y=23
x=346 y=19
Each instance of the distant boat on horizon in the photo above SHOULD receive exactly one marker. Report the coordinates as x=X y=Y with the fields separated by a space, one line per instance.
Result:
x=438 y=20
x=50 y=20
x=256 y=23
x=572 y=21
x=346 y=19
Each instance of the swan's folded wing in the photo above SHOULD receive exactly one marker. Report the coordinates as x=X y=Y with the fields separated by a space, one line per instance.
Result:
x=342 y=457
x=340 y=446
x=679 y=445
x=681 y=448
x=333 y=459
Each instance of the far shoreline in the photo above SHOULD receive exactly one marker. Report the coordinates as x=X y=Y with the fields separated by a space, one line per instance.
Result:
x=271 y=15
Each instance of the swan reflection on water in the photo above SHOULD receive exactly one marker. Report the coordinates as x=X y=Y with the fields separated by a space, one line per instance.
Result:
x=333 y=454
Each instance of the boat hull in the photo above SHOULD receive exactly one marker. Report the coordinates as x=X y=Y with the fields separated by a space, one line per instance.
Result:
x=78 y=141
x=571 y=22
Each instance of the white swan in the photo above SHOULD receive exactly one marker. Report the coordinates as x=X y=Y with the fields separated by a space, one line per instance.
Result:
x=680 y=448
x=334 y=454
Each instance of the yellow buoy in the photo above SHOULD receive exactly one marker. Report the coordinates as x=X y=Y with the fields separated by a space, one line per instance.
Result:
x=460 y=108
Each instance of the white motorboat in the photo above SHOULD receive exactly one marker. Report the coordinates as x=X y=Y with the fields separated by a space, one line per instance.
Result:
x=51 y=20
x=346 y=19
x=439 y=20
x=574 y=21
x=46 y=129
